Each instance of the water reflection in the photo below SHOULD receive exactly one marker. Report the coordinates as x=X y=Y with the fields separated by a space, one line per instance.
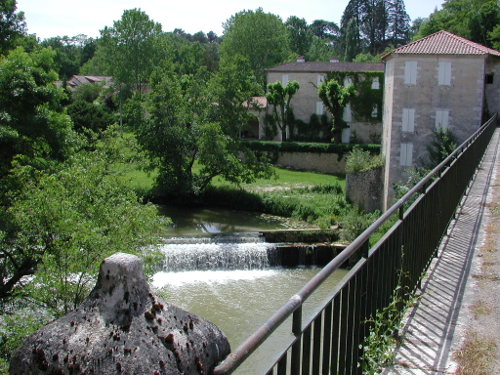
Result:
x=203 y=221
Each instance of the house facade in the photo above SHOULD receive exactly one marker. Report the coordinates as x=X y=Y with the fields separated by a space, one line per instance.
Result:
x=441 y=81
x=364 y=126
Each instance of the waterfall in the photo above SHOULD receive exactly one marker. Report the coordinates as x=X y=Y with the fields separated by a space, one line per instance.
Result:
x=216 y=256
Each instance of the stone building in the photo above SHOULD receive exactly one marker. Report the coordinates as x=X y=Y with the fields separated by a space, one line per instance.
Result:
x=440 y=81
x=306 y=102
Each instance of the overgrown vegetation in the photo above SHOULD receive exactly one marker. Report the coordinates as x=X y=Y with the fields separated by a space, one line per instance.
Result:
x=360 y=161
x=378 y=347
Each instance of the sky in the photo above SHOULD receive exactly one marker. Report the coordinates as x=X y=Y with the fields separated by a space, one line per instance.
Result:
x=49 y=18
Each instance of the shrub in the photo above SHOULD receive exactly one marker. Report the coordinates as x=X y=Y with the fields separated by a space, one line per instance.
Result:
x=360 y=161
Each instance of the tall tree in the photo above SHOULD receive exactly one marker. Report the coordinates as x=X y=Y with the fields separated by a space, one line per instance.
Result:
x=380 y=23
x=132 y=48
x=12 y=25
x=300 y=35
x=475 y=20
x=259 y=37
x=280 y=97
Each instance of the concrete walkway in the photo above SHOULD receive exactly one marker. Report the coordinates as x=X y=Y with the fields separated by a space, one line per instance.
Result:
x=436 y=327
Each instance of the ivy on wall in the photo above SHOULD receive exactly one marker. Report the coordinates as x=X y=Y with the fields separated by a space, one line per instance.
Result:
x=366 y=98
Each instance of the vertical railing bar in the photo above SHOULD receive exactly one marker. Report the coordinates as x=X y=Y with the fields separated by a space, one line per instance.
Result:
x=306 y=351
x=327 y=338
x=317 y=344
x=296 y=348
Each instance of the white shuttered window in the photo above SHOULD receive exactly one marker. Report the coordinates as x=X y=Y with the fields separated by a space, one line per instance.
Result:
x=410 y=72
x=442 y=118
x=408 y=121
x=444 y=73
x=406 y=156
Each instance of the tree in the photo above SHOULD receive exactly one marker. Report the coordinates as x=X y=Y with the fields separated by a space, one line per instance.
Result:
x=89 y=116
x=299 y=34
x=177 y=134
x=335 y=97
x=132 y=48
x=377 y=25
x=325 y=30
x=12 y=26
x=471 y=19
x=71 y=53
x=259 y=37
x=233 y=88
x=279 y=97
x=57 y=230
x=32 y=126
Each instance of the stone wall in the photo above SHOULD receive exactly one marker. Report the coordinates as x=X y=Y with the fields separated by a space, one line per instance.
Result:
x=364 y=189
x=310 y=161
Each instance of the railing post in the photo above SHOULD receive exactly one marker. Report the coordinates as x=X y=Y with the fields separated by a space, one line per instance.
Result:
x=297 y=347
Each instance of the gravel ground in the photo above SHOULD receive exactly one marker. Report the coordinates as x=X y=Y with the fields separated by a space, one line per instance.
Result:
x=455 y=326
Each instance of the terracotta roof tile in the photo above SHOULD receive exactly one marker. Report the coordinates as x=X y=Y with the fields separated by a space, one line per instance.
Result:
x=443 y=43
x=322 y=67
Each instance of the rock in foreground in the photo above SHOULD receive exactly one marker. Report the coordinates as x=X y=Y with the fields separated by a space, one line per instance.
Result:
x=122 y=328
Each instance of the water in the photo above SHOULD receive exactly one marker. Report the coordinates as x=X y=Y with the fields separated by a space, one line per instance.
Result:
x=203 y=221
x=240 y=301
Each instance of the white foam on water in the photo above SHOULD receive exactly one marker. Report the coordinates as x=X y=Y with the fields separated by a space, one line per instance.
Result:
x=178 y=279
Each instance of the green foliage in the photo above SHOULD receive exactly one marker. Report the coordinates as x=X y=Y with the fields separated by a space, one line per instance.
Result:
x=443 y=144
x=378 y=347
x=88 y=92
x=31 y=123
x=339 y=149
x=260 y=37
x=335 y=97
x=279 y=97
x=360 y=161
x=12 y=26
x=178 y=133
x=71 y=53
x=475 y=20
x=61 y=224
x=89 y=116
x=366 y=100
x=353 y=222
x=300 y=35
x=133 y=48
x=369 y=26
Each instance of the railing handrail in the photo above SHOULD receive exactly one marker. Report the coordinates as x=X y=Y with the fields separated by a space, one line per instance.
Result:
x=245 y=349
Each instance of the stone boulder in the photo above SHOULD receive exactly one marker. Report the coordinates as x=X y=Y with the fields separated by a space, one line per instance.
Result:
x=122 y=328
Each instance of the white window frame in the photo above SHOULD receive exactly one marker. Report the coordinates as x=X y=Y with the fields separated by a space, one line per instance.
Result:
x=444 y=73
x=410 y=73
x=284 y=79
x=319 y=108
x=375 y=84
x=406 y=155
x=442 y=119
x=319 y=79
x=408 y=120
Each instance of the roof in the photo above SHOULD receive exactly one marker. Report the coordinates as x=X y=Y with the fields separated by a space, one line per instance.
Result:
x=257 y=101
x=77 y=80
x=323 y=67
x=443 y=43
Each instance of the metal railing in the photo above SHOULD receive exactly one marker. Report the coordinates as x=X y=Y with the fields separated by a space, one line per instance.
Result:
x=329 y=342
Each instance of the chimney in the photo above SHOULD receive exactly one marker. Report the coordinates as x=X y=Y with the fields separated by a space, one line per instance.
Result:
x=334 y=59
x=301 y=59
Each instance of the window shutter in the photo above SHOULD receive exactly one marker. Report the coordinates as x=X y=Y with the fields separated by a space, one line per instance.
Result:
x=410 y=73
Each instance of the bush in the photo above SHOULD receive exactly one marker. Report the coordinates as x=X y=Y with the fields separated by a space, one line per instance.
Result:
x=360 y=161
